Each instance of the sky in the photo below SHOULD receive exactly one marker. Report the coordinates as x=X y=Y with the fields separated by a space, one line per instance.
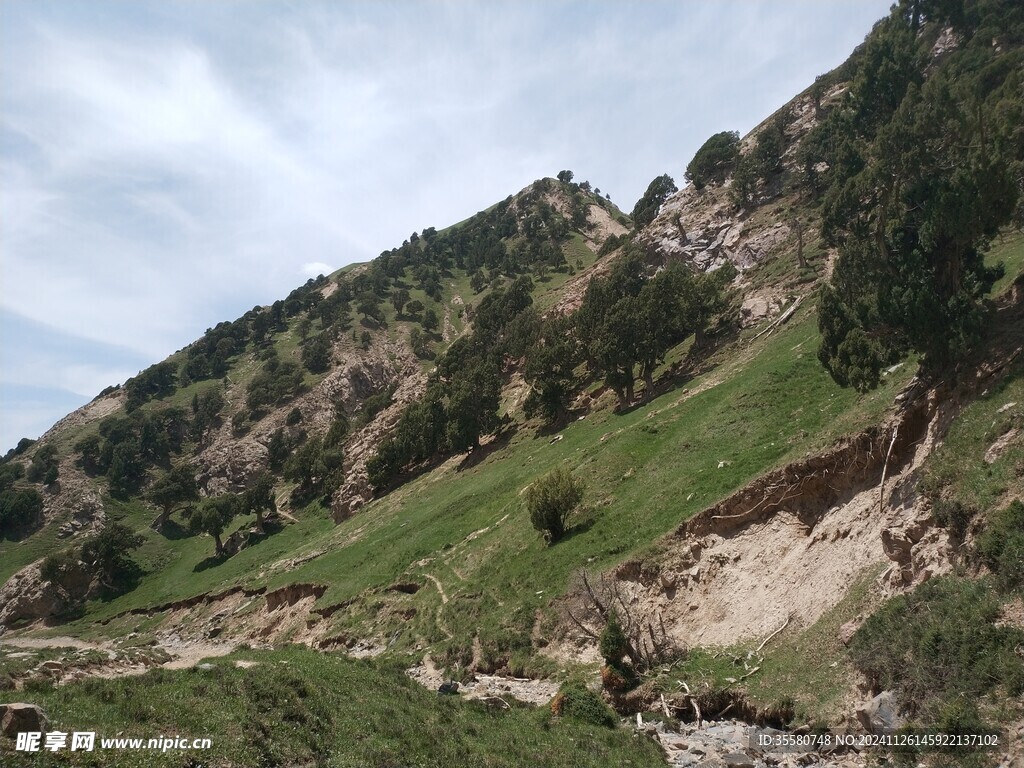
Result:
x=168 y=165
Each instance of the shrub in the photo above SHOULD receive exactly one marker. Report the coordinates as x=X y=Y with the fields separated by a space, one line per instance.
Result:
x=1001 y=546
x=551 y=500
x=57 y=565
x=714 y=159
x=576 y=701
x=938 y=644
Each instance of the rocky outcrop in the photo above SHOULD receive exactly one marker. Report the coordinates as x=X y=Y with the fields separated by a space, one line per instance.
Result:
x=21 y=718
x=28 y=597
x=880 y=715
x=361 y=446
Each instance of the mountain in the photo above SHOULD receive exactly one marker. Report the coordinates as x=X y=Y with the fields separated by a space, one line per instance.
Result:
x=752 y=451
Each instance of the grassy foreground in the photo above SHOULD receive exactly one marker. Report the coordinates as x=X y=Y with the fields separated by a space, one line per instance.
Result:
x=295 y=706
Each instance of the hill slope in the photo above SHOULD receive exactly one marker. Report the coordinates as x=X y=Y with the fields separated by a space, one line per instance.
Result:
x=743 y=515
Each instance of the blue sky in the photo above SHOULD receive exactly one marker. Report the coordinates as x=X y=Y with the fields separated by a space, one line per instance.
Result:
x=167 y=165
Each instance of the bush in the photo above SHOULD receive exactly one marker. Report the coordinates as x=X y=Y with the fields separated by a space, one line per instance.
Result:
x=44 y=466
x=714 y=159
x=938 y=644
x=20 y=510
x=1001 y=546
x=576 y=701
x=57 y=565
x=551 y=500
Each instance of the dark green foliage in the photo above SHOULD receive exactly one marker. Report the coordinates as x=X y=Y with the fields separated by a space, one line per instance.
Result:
x=206 y=408
x=954 y=515
x=551 y=499
x=922 y=174
x=337 y=432
x=258 y=498
x=212 y=516
x=316 y=353
x=156 y=381
x=172 y=490
x=420 y=343
x=294 y=417
x=374 y=404
x=275 y=383
x=21 y=510
x=463 y=393
x=57 y=565
x=414 y=308
x=473 y=399
x=107 y=554
x=368 y=305
x=565 y=176
x=277 y=450
x=10 y=472
x=610 y=244
x=939 y=644
x=128 y=445
x=714 y=159
x=550 y=363
x=1001 y=546
x=399 y=298
x=365 y=339
x=647 y=207
x=430 y=320
x=613 y=643
x=630 y=318
x=23 y=445
x=45 y=465
x=316 y=468
x=577 y=702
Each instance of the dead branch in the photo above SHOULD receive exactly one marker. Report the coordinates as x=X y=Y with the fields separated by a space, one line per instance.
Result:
x=885 y=469
x=773 y=634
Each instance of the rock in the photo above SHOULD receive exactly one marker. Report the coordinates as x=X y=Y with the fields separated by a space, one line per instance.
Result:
x=880 y=714
x=204 y=667
x=848 y=630
x=448 y=687
x=738 y=760
x=18 y=718
x=51 y=667
x=27 y=596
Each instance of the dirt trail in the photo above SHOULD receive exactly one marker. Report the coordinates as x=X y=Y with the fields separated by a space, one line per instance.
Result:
x=170 y=652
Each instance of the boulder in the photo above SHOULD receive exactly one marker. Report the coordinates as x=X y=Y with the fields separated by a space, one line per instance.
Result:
x=27 y=596
x=848 y=630
x=19 y=718
x=448 y=687
x=880 y=714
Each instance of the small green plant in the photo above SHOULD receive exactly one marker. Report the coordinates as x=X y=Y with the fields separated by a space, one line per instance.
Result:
x=938 y=644
x=576 y=701
x=551 y=500
x=1001 y=547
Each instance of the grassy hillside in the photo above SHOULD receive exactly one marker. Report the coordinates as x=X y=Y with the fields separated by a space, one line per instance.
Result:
x=297 y=707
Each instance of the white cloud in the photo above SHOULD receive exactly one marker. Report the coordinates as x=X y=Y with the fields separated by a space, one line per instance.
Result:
x=315 y=269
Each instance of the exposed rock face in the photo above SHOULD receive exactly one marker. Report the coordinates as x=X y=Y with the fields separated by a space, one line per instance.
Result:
x=880 y=714
x=19 y=718
x=362 y=445
x=27 y=596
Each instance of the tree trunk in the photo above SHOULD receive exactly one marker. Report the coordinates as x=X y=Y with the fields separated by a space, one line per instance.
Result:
x=161 y=520
x=259 y=521
x=621 y=395
x=217 y=542
x=648 y=379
